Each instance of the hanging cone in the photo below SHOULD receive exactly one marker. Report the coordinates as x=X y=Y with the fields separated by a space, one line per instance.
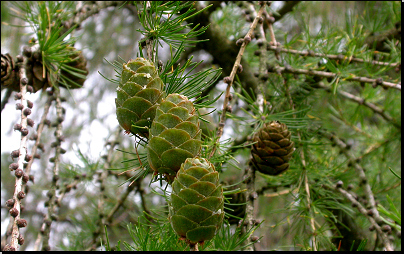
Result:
x=138 y=94
x=196 y=205
x=174 y=135
x=273 y=148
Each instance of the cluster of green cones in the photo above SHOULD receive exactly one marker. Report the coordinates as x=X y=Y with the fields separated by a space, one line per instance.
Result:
x=171 y=126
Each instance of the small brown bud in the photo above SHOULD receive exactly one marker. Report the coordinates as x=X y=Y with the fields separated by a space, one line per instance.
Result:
x=17 y=127
x=10 y=203
x=21 y=195
x=386 y=228
x=41 y=146
x=260 y=20
x=60 y=119
x=19 y=106
x=30 y=89
x=27 y=111
x=229 y=109
x=24 y=81
x=30 y=122
x=52 y=159
x=18 y=173
x=47 y=122
x=34 y=136
x=227 y=80
x=239 y=42
x=62 y=151
x=339 y=184
x=31 y=178
x=24 y=132
x=25 y=178
x=350 y=186
x=28 y=157
x=15 y=154
x=230 y=97
x=37 y=156
x=370 y=212
x=21 y=223
x=247 y=39
x=30 y=104
x=271 y=20
x=20 y=239
x=13 y=166
x=61 y=138
x=17 y=96
x=239 y=68
x=55 y=178
x=254 y=238
x=372 y=228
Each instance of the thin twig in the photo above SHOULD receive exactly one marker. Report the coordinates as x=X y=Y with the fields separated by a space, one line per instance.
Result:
x=325 y=74
x=230 y=79
x=362 y=210
x=53 y=199
x=329 y=56
x=249 y=176
x=39 y=133
x=102 y=179
x=363 y=102
x=14 y=245
x=364 y=183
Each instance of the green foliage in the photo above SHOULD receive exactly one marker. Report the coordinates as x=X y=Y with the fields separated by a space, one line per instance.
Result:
x=301 y=208
x=45 y=19
x=168 y=29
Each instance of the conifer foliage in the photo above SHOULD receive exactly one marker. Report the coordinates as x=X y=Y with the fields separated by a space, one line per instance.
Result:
x=225 y=125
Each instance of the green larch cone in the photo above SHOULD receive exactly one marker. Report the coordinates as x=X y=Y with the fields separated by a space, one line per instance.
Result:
x=273 y=148
x=138 y=94
x=174 y=135
x=196 y=204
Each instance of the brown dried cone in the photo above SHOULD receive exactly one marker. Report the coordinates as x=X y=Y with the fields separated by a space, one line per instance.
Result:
x=80 y=63
x=272 y=149
x=9 y=73
x=35 y=74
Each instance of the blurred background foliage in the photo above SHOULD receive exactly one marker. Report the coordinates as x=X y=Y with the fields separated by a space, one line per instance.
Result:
x=342 y=27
